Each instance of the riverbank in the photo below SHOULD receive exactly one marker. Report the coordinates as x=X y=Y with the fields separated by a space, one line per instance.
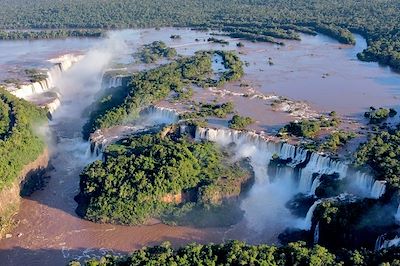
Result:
x=10 y=196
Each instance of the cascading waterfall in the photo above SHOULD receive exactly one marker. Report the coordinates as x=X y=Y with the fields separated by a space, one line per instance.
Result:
x=284 y=171
x=364 y=182
x=309 y=176
x=149 y=117
x=378 y=189
x=307 y=222
x=296 y=154
x=368 y=186
x=397 y=215
x=61 y=64
x=154 y=115
x=315 y=184
x=115 y=81
x=112 y=81
x=316 y=234
x=321 y=165
x=382 y=243
x=379 y=241
x=260 y=150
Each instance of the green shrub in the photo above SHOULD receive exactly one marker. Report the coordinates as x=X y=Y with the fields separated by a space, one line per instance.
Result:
x=240 y=122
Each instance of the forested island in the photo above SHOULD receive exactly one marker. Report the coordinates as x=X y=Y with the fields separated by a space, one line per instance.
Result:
x=165 y=175
x=256 y=20
x=152 y=52
x=150 y=86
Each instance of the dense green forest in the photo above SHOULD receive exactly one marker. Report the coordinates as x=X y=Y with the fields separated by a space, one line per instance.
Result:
x=379 y=115
x=154 y=51
x=161 y=175
x=202 y=110
x=19 y=145
x=382 y=153
x=153 y=85
x=240 y=122
x=263 y=20
x=5 y=122
x=239 y=253
x=309 y=128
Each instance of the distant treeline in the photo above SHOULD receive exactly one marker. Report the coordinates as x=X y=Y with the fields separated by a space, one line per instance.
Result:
x=262 y=20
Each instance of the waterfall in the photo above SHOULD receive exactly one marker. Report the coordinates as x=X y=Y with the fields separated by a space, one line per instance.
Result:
x=364 y=182
x=60 y=65
x=321 y=165
x=154 y=115
x=367 y=186
x=379 y=242
x=284 y=171
x=53 y=105
x=382 y=243
x=378 y=189
x=305 y=182
x=149 y=117
x=115 y=81
x=253 y=144
x=296 y=154
x=315 y=184
x=397 y=215
x=306 y=223
x=316 y=234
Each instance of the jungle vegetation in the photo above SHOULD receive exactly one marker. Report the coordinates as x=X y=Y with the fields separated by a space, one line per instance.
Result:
x=150 y=86
x=239 y=253
x=330 y=143
x=379 y=115
x=19 y=143
x=201 y=110
x=258 y=20
x=382 y=154
x=309 y=128
x=240 y=122
x=154 y=51
x=163 y=175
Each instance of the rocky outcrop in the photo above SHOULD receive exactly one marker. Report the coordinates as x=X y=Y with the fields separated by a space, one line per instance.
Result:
x=10 y=198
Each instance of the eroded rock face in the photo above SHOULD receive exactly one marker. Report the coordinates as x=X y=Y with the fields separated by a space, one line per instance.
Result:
x=10 y=196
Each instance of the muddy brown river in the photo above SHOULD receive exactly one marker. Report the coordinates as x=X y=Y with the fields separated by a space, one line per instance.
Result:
x=317 y=70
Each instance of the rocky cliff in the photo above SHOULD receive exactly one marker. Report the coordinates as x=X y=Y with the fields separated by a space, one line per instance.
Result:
x=10 y=197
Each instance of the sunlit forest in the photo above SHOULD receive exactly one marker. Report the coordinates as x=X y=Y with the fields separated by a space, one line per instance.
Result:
x=378 y=21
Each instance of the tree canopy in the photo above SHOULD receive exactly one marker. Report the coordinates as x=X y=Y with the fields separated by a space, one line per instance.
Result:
x=19 y=143
x=259 y=20
x=149 y=175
